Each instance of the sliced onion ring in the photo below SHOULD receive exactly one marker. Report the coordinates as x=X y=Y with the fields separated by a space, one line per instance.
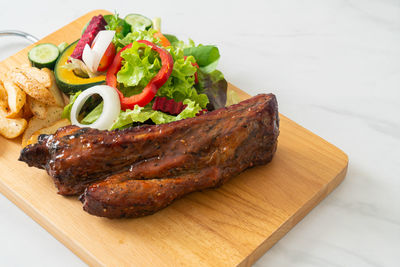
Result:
x=92 y=56
x=88 y=57
x=111 y=107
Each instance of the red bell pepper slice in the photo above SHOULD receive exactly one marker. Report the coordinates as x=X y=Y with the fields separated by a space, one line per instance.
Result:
x=149 y=92
x=111 y=77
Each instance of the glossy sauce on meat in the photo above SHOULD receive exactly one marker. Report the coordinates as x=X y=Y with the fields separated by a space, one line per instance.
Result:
x=137 y=171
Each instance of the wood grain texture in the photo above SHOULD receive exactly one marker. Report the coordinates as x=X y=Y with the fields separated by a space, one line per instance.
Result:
x=232 y=225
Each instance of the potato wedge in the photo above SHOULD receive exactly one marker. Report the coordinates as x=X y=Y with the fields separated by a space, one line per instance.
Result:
x=11 y=128
x=48 y=130
x=38 y=108
x=53 y=114
x=38 y=74
x=54 y=89
x=32 y=87
x=16 y=98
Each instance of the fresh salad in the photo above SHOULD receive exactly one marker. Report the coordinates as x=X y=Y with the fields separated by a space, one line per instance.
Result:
x=127 y=72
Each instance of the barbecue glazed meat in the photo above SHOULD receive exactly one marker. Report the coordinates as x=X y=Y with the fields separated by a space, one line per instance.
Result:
x=138 y=171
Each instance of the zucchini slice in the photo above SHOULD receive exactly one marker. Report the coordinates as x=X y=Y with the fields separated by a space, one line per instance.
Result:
x=44 y=55
x=66 y=80
x=138 y=21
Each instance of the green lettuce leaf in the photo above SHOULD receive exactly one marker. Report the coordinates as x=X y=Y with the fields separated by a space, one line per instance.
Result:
x=179 y=94
x=66 y=114
x=93 y=115
x=190 y=111
x=214 y=86
x=180 y=85
x=207 y=56
x=175 y=42
x=136 y=36
x=142 y=114
x=120 y=26
x=140 y=65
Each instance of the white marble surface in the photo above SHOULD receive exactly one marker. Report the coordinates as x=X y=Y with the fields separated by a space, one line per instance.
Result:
x=335 y=67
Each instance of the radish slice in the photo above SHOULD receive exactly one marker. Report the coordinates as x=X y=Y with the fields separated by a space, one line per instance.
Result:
x=111 y=107
x=92 y=56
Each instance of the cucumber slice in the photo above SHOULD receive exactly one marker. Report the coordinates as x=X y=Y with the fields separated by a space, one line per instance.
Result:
x=44 y=55
x=138 y=22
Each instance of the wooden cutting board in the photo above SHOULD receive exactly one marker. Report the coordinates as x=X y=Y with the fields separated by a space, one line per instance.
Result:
x=232 y=225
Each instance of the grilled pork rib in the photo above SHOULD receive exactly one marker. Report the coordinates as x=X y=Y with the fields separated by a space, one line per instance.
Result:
x=138 y=171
